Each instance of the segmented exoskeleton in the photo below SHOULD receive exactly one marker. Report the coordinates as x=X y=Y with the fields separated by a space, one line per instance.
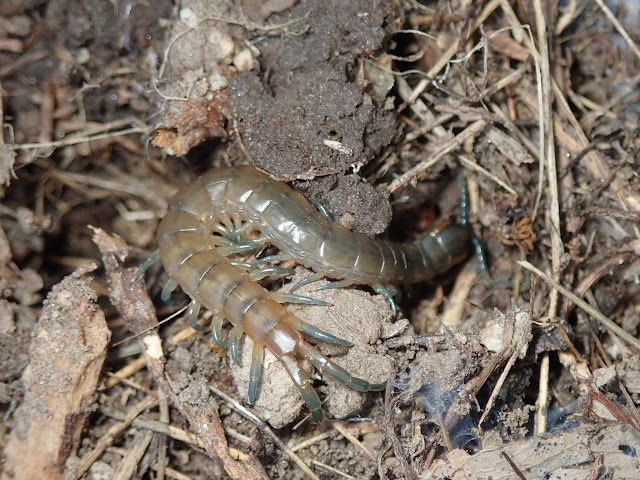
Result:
x=204 y=225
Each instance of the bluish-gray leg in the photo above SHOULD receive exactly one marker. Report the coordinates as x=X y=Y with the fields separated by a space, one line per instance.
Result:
x=153 y=258
x=303 y=382
x=305 y=281
x=261 y=273
x=234 y=338
x=194 y=310
x=325 y=213
x=339 y=284
x=381 y=290
x=282 y=297
x=216 y=330
x=167 y=290
x=257 y=357
x=281 y=257
x=317 y=333
x=339 y=374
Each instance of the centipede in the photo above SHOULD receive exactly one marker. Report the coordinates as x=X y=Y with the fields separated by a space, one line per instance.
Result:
x=208 y=224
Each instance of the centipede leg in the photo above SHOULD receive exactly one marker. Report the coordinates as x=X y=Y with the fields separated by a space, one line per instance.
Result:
x=246 y=266
x=339 y=374
x=219 y=229
x=281 y=257
x=153 y=258
x=282 y=297
x=167 y=290
x=237 y=248
x=386 y=293
x=259 y=274
x=235 y=235
x=305 y=281
x=317 y=333
x=321 y=208
x=257 y=356
x=234 y=337
x=216 y=330
x=227 y=223
x=194 y=310
x=303 y=382
x=340 y=284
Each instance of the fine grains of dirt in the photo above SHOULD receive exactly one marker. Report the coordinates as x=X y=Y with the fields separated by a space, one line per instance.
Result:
x=312 y=115
x=528 y=370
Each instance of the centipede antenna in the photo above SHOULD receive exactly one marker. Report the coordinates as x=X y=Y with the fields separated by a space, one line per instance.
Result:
x=317 y=333
x=257 y=357
x=464 y=220
x=385 y=292
x=305 y=281
x=194 y=310
x=464 y=197
x=482 y=258
x=153 y=258
x=282 y=297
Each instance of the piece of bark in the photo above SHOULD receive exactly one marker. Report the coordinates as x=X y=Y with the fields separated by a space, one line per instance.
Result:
x=68 y=348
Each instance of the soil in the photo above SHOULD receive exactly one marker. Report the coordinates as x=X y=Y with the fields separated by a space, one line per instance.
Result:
x=529 y=369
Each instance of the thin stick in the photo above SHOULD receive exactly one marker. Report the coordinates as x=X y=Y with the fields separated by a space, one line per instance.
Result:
x=349 y=436
x=557 y=248
x=168 y=430
x=472 y=165
x=451 y=51
x=331 y=469
x=112 y=433
x=596 y=314
x=451 y=145
x=542 y=402
x=77 y=140
x=618 y=26
x=263 y=426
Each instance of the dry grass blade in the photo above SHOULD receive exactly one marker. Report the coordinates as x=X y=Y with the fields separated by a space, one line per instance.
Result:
x=349 y=436
x=623 y=334
x=263 y=426
x=618 y=26
x=168 y=430
x=448 y=147
x=108 y=438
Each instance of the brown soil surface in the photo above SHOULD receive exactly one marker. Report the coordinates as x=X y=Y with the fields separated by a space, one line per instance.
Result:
x=371 y=109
